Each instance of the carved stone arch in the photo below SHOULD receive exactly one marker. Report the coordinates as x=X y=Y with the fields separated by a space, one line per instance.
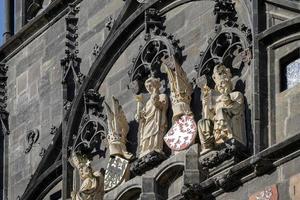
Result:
x=167 y=176
x=148 y=61
x=231 y=47
x=131 y=192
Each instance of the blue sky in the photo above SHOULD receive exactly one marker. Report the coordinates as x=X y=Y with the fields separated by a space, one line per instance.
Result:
x=1 y=19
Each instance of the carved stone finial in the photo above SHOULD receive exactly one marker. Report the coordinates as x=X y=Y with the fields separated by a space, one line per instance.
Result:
x=109 y=23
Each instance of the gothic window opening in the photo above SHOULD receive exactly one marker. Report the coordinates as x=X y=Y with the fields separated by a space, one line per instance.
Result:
x=290 y=70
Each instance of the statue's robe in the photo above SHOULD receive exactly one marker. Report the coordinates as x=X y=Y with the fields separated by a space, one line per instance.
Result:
x=153 y=125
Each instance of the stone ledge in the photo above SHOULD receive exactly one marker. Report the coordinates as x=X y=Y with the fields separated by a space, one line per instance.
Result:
x=257 y=165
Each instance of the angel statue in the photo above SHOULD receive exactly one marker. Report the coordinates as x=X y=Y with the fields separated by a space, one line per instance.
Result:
x=152 y=118
x=223 y=119
x=92 y=182
x=117 y=130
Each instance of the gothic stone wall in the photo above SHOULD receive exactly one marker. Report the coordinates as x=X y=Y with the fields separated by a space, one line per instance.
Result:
x=35 y=89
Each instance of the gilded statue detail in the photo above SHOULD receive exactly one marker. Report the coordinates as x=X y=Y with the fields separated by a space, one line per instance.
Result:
x=117 y=130
x=224 y=119
x=92 y=182
x=152 y=118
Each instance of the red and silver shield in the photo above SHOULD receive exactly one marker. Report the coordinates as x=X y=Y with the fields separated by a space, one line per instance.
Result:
x=182 y=134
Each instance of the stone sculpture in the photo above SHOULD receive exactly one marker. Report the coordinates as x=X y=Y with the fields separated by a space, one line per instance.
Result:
x=92 y=182
x=181 y=89
x=225 y=120
x=184 y=129
x=118 y=129
x=152 y=118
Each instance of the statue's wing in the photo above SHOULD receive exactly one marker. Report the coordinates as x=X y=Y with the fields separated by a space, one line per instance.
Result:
x=121 y=121
x=110 y=116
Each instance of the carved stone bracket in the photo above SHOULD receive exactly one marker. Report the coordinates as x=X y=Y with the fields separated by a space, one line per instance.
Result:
x=147 y=162
x=227 y=181
x=192 y=192
x=226 y=154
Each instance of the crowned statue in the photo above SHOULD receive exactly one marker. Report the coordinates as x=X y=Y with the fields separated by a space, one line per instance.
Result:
x=118 y=129
x=92 y=182
x=152 y=118
x=223 y=119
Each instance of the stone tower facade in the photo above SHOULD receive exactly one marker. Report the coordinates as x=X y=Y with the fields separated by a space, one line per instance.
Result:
x=151 y=100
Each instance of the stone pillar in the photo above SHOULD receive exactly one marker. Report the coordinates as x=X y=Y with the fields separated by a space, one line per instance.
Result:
x=149 y=189
x=192 y=170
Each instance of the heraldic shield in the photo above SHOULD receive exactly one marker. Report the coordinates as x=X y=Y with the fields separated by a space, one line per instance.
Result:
x=182 y=134
x=116 y=172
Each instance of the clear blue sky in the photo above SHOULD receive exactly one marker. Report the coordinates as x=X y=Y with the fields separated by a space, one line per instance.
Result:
x=1 y=19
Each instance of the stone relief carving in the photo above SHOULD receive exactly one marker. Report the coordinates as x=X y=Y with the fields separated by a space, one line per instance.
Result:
x=92 y=182
x=183 y=131
x=226 y=119
x=152 y=118
x=117 y=171
x=3 y=99
x=117 y=130
x=32 y=137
